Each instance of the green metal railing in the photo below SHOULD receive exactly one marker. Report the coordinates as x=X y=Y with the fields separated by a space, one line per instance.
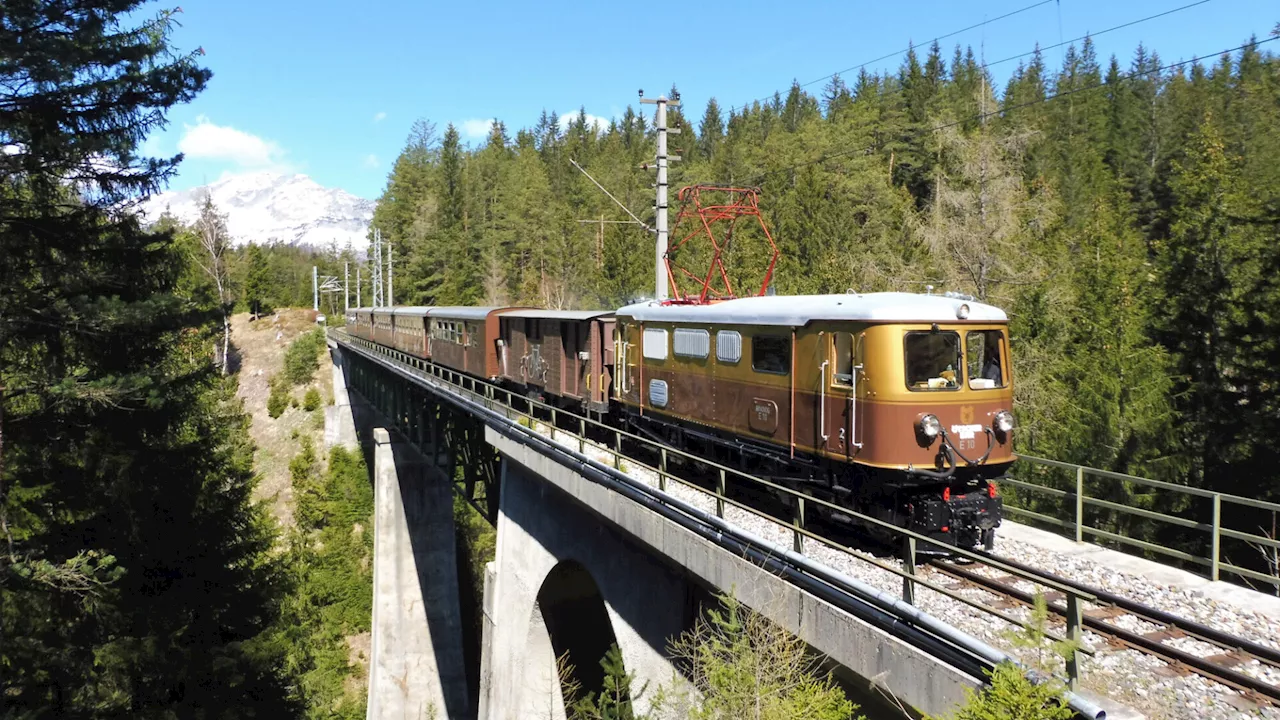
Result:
x=1076 y=499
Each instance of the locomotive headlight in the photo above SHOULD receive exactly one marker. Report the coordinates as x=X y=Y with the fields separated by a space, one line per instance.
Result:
x=1003 y=422
x=929 y=426
x=962 y=312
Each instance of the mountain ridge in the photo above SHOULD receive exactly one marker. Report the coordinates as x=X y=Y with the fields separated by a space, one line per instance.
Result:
x=264 y=207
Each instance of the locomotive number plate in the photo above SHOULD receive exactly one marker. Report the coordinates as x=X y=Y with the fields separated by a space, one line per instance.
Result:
x=762 y=416
x=966 y=432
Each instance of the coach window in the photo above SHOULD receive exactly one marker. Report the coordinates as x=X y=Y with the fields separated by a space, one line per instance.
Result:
x=933 y=360
x=771 y=354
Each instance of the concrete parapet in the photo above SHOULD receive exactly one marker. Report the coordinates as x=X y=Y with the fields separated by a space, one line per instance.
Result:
x=417 y=669
x=556 y=527
x=339 y=418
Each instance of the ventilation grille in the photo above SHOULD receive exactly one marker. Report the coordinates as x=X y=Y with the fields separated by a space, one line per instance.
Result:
x=728 y=346
x=655 y=344
x=691 y=343
x=658 y=393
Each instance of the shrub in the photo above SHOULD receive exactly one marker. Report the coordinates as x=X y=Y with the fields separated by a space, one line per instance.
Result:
x=278 y=400
x=311 y=401
x=1010 y=693
x=302 y=359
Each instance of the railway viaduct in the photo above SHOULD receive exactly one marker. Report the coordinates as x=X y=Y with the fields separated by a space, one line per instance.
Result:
x=583 y=561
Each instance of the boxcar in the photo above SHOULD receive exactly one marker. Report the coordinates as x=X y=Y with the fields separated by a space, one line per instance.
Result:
x=383 y=323
x=363 y=327
x=564 y=355
x=464 y=339
x=409 y=331
x=893 y=401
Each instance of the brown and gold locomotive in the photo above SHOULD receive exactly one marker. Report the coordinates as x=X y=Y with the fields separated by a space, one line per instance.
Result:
x=896 y=405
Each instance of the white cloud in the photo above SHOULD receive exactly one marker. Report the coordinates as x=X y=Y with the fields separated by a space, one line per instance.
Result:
x=379 y=117
x=371 y=161
x=475 y=129
x=208 y=141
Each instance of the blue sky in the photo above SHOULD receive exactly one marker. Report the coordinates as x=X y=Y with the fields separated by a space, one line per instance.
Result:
x=331 y=88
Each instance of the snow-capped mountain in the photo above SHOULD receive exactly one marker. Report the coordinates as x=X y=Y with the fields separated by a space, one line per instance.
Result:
x=262 y=207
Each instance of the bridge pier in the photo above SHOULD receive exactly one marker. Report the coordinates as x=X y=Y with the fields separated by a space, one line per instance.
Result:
x=566 y=583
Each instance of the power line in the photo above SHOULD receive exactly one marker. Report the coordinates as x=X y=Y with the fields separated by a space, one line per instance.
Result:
x=759 y=179
x=1001 y=61
x=1095 y=34
x=909 y=48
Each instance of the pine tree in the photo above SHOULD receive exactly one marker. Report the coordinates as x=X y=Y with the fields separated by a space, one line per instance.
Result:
x=257 y=284
x=134 y=572
x=1197 y=304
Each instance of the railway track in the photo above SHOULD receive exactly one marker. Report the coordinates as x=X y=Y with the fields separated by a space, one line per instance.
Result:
x=1223 y=666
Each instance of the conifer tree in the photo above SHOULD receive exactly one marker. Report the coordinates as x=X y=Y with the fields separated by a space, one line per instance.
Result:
x=134 y=575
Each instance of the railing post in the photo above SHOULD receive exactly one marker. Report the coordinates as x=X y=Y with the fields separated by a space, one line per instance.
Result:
x=553 y=424
x=662 y=476
x=617 y=450
x=909 y=567
x=797 y=520
x=1079 y=504
x=720 y=495
x=582 y=436
x=1217 y=535
x=1075 y=618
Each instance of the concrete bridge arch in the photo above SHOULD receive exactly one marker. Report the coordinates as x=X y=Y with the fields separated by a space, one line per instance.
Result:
x=555 y=588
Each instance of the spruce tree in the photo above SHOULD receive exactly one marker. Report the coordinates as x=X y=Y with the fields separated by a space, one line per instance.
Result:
x=134 y=576
x=257 y=284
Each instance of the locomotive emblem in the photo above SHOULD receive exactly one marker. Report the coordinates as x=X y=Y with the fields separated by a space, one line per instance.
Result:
x=966 y=414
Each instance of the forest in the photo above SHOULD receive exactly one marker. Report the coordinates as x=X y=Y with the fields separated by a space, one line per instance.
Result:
x=1125 y=212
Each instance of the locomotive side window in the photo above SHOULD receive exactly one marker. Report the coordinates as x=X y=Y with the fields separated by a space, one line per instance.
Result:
x=842 y=343
x=984 y=359
x=771 y=354
x=933 y=360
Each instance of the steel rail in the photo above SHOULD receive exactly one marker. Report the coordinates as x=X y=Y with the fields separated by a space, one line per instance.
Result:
x=1247 y=684
x=889 y=613
x=1265 y=653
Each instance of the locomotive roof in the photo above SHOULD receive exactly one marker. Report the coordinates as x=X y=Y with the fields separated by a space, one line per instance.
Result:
x=557 y=314
x=799 y=310
x=462 y=312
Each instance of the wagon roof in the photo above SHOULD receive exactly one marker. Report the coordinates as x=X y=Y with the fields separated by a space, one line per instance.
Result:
x=799 y=310
x=463 y=312
x=557 y=314
x=412 y=310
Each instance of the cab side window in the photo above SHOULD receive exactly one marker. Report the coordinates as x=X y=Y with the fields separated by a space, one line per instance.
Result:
x=771 y=354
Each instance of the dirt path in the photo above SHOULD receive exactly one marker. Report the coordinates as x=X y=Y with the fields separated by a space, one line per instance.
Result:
x=261 y=345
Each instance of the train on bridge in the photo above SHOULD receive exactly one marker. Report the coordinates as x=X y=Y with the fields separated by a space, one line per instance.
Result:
x=895 y=405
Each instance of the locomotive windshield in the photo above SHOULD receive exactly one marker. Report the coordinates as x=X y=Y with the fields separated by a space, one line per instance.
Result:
x=933 y=360
x=985 y=371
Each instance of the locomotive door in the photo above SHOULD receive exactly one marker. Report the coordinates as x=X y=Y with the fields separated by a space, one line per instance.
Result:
x=841 y=413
